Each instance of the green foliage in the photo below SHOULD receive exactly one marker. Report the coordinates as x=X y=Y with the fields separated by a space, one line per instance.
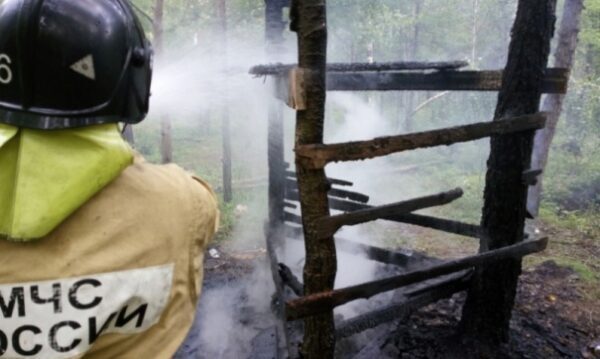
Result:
x=447 y=30
x=587 y=222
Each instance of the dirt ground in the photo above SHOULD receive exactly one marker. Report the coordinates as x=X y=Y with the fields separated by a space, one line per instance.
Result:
x=556 y=315
x=551 y=319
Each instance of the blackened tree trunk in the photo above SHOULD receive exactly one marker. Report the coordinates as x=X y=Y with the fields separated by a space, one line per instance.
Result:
x=309 y=19
x=564 y=55
x=487 y=311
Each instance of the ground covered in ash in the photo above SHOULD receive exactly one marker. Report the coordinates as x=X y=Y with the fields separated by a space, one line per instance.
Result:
x=551 y=319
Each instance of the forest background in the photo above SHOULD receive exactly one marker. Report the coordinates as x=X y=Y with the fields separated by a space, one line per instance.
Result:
x=208 y=46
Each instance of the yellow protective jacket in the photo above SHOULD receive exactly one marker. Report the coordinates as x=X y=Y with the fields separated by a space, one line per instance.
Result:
x=119 y=278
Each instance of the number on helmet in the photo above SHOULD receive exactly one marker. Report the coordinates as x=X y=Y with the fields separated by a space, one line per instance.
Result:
x=5 y=71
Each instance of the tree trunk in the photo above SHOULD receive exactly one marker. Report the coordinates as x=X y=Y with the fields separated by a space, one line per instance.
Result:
x=225 y=122
x=309 y=19
x=157 y=26
x=166 y=147
x=412 y=56
x=487 y=311
x=564 y=57
x=474 y=34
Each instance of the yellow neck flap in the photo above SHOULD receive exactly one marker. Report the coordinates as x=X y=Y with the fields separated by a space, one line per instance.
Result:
x=46 y=175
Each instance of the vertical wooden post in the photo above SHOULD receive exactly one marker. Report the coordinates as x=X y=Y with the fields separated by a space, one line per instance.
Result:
x=274 y=231
x=489 y=304
x=274 y=26
x=310 y=22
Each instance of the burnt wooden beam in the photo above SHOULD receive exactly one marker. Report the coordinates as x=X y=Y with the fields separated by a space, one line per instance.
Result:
x=433 y=284
x=333 y=181
x=381 y=255
x=319 y=155
x=530 y=177
x=403 y=309
x=354 y=196
x=282 y=69
x=326 y=301
x=291 y=186
x=554 y=81
x=274 y=27
x=291 y=217
x=327 y=226
x=287 y=204
x=441 y=224
x=377 y=254
x=289 y=279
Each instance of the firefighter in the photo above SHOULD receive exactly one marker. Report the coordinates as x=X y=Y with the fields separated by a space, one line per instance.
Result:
x=100 y=252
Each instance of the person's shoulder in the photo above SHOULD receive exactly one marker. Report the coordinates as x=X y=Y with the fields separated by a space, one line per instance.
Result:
x=147 y=182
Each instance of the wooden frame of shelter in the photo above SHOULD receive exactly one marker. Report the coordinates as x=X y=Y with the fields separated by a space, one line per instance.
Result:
x=489 y=276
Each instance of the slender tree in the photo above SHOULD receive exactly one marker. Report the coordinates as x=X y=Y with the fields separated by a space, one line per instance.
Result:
x=221 y=6
x=166 y=141
x=564 y=56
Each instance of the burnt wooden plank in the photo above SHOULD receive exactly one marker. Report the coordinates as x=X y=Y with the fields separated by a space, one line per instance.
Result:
x=382 y=255
x=292 y=186
x=318 y=155
x=291 y=217
x=440 y=224
x=377 y=254
x=327 y=226
x=281 y=69
x=290 y=279
x=333 y=181
x=530 y=177
x=326 y=301
x=287 y=204
x=403 y=309
x=555 y=81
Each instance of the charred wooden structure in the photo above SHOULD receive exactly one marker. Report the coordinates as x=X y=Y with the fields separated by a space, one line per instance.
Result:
x=489 y=276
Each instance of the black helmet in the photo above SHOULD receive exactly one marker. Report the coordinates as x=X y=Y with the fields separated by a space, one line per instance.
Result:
x=72 y=63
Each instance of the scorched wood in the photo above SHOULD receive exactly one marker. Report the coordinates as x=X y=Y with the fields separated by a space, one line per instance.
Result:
x=318 y=155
